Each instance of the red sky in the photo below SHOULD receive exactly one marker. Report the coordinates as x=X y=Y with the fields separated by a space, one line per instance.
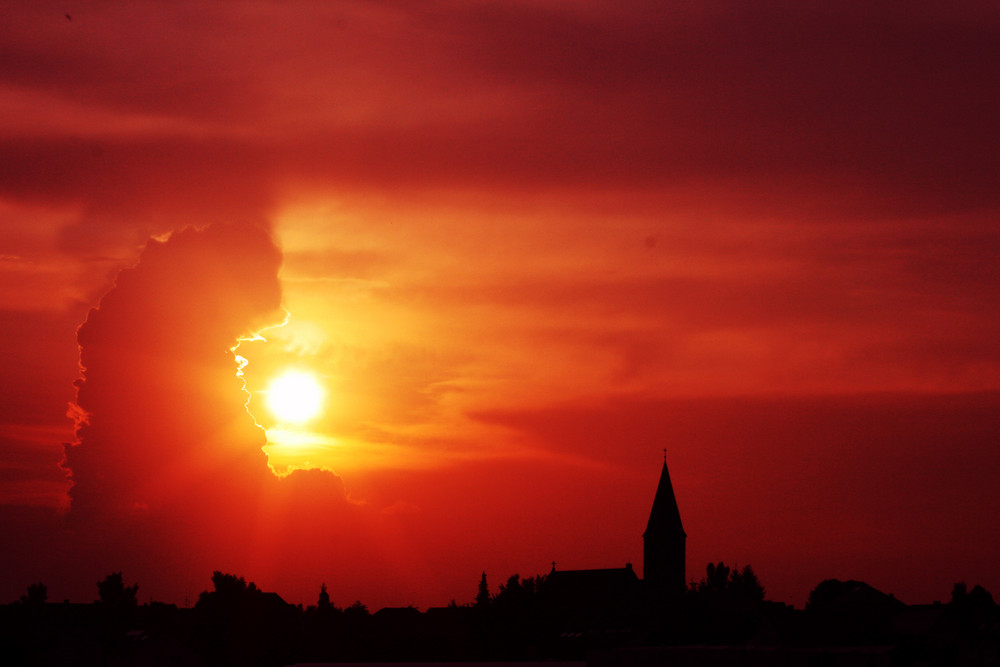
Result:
x=524 y=246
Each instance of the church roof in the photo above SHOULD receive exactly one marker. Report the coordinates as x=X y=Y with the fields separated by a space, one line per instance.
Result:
x=665 y=517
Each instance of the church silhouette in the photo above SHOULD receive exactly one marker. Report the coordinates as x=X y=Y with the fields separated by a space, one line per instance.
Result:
x=664 y=542
x=664 y=575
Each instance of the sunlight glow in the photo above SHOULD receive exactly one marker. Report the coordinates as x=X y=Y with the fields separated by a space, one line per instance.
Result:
x=295 y=397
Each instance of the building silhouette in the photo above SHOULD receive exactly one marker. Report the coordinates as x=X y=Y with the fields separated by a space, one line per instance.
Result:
x=664 y=541
x=664 y=574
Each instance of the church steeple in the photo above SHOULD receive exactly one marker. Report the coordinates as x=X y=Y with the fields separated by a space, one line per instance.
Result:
x=664 y=540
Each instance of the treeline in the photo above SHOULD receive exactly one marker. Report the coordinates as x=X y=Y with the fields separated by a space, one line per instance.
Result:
x=530 y=618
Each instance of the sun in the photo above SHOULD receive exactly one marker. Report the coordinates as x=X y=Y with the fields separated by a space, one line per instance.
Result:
x=295 y=396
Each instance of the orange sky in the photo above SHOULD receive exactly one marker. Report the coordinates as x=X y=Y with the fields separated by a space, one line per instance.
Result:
x=524 y=247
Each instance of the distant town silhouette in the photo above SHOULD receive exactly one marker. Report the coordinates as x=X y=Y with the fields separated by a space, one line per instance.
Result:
x=598 y=616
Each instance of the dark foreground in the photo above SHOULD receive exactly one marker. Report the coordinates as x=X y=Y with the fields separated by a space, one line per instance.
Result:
x=846 y=623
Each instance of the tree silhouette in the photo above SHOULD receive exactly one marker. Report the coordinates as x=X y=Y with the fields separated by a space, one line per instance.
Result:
x=968 y=604
x=356 y=611
x=721 y=579
x=727 y=604
x=230 y=586
x=114 y=594
x=852 y=612
x=716 y=578
x=745 y=582
x=36 y=595
x=238 y=624
x=831 y=593
x=118 y=609
x=826 y=592
x=511 y=590
x=323 y=604
x=958 y=593
x=518 y=593
x=483 y=596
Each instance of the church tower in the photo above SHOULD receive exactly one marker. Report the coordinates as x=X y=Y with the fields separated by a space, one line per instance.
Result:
x=663 y=542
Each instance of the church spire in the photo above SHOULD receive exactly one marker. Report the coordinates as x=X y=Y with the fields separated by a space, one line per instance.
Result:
x=665 y=517
x=664 y=539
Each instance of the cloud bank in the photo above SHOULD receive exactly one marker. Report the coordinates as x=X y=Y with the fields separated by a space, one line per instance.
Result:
x=166 y=452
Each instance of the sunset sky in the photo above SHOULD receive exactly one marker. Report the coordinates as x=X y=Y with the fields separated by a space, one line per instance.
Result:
x=521 y=247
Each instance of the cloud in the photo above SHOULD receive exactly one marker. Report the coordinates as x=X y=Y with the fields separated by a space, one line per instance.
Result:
x=166 y=452
x=855 y=106
x=159 y=384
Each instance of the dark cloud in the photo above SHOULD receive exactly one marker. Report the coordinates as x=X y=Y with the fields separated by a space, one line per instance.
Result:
x=168 y=461
x=874 y=109
x=159 y=382
x=138 y=186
